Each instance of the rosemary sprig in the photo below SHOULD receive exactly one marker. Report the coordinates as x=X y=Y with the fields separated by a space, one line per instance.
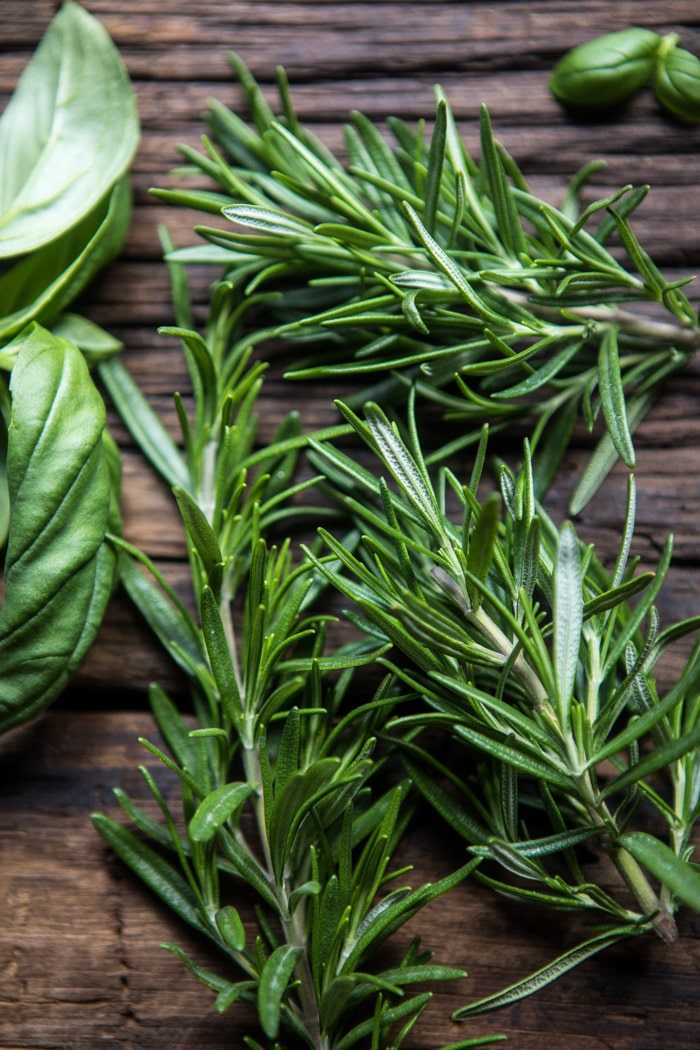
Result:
x=412 y=265
x=539 y=664
x=281 y=780
x=416 y=266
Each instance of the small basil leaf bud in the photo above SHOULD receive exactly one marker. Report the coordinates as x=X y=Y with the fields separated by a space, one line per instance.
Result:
x=677 y=84
x=605 y=71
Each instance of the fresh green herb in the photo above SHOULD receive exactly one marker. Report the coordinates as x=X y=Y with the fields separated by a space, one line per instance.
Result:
x=67 y=138
x=607 y=70
x=62 y=481
x=284 y=788
x=677 y=84
x=414 y=264
x=537 y=662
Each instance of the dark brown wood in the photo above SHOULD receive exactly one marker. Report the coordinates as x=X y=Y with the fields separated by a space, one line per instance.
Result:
x=79 y=938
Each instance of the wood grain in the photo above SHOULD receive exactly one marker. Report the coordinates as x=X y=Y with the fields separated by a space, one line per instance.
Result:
x=81 y=964
x=79 y=938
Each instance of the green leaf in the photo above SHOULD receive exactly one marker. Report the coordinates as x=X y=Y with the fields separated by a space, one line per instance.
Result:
x=207 y=977
x=401 y=464
x=94 y=342
x=605 y=454
x=158 y=603
x=45 y=282
x=230 y=926
x=660 y=758
x=567 y=616
x=544 y=976
x=678 y=875
x=59 y=569
x=274 y=980
x=482 y=544
x=68 y=133
x=172 y=726
x=300 y=794
x=520 y=759
x=214 y=810
x=200 y=533
x=220 y=656
x=158 y=874
x=507 y=221
x=612 y=397
x=143 y=424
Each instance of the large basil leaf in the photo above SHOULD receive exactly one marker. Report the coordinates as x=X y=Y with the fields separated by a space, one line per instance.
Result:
x=4 y=494
x=67 y=135
x=44 y=283
x=59 y=569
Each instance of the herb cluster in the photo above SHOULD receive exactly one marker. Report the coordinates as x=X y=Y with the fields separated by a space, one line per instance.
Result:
x=489 y=624
x=413 y=266
x=431 y=277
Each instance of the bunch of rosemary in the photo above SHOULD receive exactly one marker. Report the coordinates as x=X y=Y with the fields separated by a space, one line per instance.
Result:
x=283 y=790
x=486 y=622
x=540 y=665
x=411 y=265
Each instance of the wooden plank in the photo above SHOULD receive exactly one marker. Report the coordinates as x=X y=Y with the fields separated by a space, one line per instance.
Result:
x=79 y=937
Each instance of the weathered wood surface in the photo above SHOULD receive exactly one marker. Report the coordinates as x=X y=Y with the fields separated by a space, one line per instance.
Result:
x=78 y=939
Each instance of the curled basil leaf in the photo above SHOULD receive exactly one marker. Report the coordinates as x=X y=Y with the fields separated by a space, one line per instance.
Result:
x=606 y=71
x=67 y=135
x=677 y=84
x=45 y=282
x=59 y=568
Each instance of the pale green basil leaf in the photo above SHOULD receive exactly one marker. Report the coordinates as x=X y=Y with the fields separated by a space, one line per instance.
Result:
x=59 y=571
x=67 y=135
x=94 y=342
x=45 y=282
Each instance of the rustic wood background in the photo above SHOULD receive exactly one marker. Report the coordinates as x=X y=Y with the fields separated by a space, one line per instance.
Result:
x=80 y=965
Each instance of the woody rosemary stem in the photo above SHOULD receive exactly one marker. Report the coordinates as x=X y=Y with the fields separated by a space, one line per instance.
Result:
x=662 y=921
x=682 y=335
x=632 y=874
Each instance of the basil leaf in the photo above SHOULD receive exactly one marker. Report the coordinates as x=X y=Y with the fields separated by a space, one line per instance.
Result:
x=59 y=571
x=67 y=135
x=94 y=342
x=41 y=285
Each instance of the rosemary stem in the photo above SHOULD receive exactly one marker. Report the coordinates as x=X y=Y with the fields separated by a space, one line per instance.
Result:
x=292 y=923
x=630 y=871
x=662 y=922
x=680 y=334
x=632 y=874
x=527 y=676
x=296 y=937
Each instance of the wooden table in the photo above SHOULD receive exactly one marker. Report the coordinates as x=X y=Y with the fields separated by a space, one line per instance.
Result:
x=79 y=956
